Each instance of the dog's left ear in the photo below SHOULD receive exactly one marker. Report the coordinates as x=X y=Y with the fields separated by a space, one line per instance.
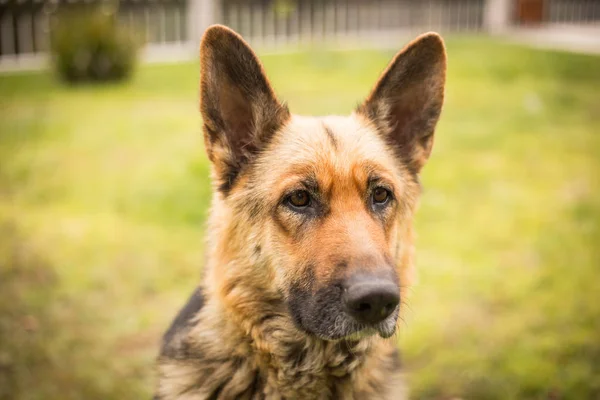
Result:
x=239 y=108
x=406 y=102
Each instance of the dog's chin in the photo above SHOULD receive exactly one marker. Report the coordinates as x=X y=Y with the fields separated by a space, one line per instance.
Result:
x=368 y=332
x=354 y=331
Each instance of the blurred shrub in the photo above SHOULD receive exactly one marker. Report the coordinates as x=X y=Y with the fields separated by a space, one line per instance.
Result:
x=88 y=44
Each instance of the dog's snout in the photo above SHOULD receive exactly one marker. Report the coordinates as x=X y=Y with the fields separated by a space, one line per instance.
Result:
x=370 y=300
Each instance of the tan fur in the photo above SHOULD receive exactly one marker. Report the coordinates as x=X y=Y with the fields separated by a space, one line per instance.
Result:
x=243 y=343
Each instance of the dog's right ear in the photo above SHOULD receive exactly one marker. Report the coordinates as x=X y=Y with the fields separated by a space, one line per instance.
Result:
x=239 y=109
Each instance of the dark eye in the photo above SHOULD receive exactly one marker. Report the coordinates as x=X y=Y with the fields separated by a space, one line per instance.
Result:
x=380 y=195
x=299 y=199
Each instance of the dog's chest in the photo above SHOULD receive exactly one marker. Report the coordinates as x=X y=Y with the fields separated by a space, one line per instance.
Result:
x=318 y=370
x=209 y=360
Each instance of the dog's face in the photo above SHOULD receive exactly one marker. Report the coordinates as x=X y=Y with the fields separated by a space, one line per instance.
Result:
x=321 y=208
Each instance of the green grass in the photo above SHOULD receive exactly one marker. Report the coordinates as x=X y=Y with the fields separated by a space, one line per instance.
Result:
x=104 y=191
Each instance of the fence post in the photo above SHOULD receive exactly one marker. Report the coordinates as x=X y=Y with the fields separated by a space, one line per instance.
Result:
x=497 y=15
x=201 y=14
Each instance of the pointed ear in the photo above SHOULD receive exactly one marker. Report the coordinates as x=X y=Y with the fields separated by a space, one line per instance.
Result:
x=407 y=100
x=239 y=109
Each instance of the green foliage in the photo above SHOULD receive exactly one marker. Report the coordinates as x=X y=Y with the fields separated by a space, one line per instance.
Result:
x=110 y=206
x=44 y=336
x=283 y=8
x=88 y=44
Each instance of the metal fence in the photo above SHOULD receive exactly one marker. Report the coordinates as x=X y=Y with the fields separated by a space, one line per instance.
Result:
x=25 y=24
x=23 y=27
x=307 y=20
x=158 y=21
x=168 y=24
x=572 y=11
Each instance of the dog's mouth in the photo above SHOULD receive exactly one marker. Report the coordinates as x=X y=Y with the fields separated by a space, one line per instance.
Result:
x=344 y=327
x=385 y=329
x=327 y=314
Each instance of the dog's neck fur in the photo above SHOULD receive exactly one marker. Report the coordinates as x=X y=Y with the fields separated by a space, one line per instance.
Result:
x=220 y=357
x=245 y=346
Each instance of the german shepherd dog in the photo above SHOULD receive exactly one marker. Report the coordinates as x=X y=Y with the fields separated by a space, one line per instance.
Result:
x=310 y=234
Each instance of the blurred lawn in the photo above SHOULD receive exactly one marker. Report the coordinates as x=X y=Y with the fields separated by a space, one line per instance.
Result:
x=104 y=191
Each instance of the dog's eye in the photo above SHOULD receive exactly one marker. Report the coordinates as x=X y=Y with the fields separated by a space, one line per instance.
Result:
x=299 y=199
x=380 y=195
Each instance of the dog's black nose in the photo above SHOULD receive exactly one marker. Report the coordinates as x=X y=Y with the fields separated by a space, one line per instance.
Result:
x=371 y=300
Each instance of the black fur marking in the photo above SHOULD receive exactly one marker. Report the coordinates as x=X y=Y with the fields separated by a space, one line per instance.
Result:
x=298 y=356
x=331 y=136
x=255 y=208
x=299 y=296
x=318 y=312
x=215 y=395
x=183 y=319
x=228 y=177
x=256 y=387
x=340 y=268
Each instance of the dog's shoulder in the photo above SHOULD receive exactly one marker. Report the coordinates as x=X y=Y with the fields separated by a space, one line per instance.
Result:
x=184 y=319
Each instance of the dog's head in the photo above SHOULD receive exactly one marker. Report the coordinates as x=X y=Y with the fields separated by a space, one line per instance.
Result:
x=318 y=210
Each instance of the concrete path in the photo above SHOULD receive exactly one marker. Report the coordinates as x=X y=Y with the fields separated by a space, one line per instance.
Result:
x=574 y=38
